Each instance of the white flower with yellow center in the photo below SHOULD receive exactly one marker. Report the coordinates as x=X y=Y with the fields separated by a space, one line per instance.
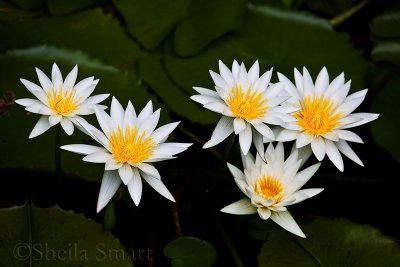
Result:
x=324 y=115
x=272 y=185
x=130 y=145
x=60 y=101
x=246 y=101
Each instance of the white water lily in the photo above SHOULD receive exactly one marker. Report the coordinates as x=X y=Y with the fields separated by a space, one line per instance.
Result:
x=60 y=101
x=130 y=144
x=272 y=185
x=324 y=115
x=247 y=101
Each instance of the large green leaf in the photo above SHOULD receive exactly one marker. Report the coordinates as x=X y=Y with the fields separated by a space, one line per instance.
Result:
x=387 y=24
x=32 y=236
x=205 y=21
x=385 y=130
x=27 y=4
x=190 y=252
x=92 y=31
x=151 y=21
x=39 y=153
x=282 y=39
x=59 y=7
x=330 y=242
x=151 y=70
x=10 y=13
x=386 y=51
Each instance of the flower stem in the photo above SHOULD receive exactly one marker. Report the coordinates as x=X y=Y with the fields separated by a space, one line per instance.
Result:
x=58 y=154
x=339 y=19
x=227 y=151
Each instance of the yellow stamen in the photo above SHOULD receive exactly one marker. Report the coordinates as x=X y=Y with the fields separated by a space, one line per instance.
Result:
x=130 y=146
x=247 y=106
x=269 y=188
x=318 y=116
x=62 y=103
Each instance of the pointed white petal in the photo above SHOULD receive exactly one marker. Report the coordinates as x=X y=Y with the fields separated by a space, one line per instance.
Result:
x=205 y=99
x=126 y=173
x=334 y=155
x=83 y=149
x=303 y=139
x=41 y=126
x=149 y=170
x=237 y=174
x=56 y=77
x=112 y=164
x=308 y=86
x=263 y=81
x=96 y=99
x=245 y=139
x=206 y=92
x=344 y=147
x=258 y=143
x=226 y=74
x=146 y=112
x=83 y=85
x=240 y=207
x=302 y=178
x=109 y=185
x=71 y=78
x=97 y=157
x=349 y=136
x=105 y=121
x=299 y=81
x=286 y=221
x=158 y=186
x=264 y=213
x=302 y=195
x=287 y=135
x=223 y=129
x=170 y=148
x=162 y=132
x=27 y=102
x=67 y=125
x=322 y=82
x=319 y=148
x=135 y=187
x=117 y=112
x=239 y=125
x=334 y=85
x=54 y=119
x=289 y=86
x=36 y=91
x=45 y=82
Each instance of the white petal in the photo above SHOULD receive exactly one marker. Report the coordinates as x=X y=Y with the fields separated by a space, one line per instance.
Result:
x=322 y=82
x=263 y=81
x=308 y=85
x=333 y=136
x=45 y=82
x=334 y=155
x=318 y=147
x=334 y=85
x=158 y=186
x=220 y=83
x=83 y=85
x=82 y=149
x=223 y=129
x=56 y=77
x=97 y=157
x=204 y=99
x=264 y=130
x=302 y=195
x=71 y=78
x=96 y=99
x=351 y=102
x=299 y=81
x=117 y=112
x=206 y=92
x=149 y=170
x=67 y=125
x=226 y=74
x=41 y=126
x=170 y=148
x=135 y=187
x=235 y=70
x=258 y=143
x=240 y=207
x=39 y=108
x=264 y=213
x=253 y=73
x=289 y=86
x=54 y=119
x=130 y=115
x=126 y=173
x=27 y=102
x=341 y=93
x=303 y=139
x=237 y=174
x=245 y=139
x=109 y=185
x=344 y=147
x=359 y=119
x=239 y=125
x=302 y=178
x=150 y=124
x=104 y=120
x=287 y=135
x=286 y=221
x=163 y=132
x=112 y=164
x=146 y=112
x=36 y=91
x=274 y=90
x=349 y=136
x=217 y=106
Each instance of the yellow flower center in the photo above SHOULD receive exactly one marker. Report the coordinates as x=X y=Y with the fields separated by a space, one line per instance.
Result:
x=318 y=116
x=62 y=103
x=249 y=105
x=269 y=188
x=129 y=146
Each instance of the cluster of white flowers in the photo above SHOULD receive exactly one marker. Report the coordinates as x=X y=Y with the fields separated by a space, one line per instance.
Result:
x=314 y=115
x=130 y=143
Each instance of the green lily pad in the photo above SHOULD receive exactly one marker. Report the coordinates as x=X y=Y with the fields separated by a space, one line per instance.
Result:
x=190 y=252
x=194 y=32
x=121 y=84
x=10 y=13
x=151 y=70
x=387 y=24
x=32 y=236
x=60 y=7
x=91 y=31
x=330 y=242
x=385 y=131
x=278 y=38
x=386 y=51
x=27 y=4
x=151 y=21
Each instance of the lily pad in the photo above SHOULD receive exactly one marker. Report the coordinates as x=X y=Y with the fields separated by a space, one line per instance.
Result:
x=151 y=21
x=151 y=70
x=385 y=131
x=190 y=252
x=330 y=242
x=32 y=236
x=59 y=7
x=9 y=12
x=386 y=51
x=194 y=32
x=91 y=31
x=387 y=24
x=278 y=38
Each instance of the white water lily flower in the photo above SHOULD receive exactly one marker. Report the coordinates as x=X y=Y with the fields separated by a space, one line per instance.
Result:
x=324 y=115
x=60 y=101
x=130 y=145
x=272 y=185
x=247 y=102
